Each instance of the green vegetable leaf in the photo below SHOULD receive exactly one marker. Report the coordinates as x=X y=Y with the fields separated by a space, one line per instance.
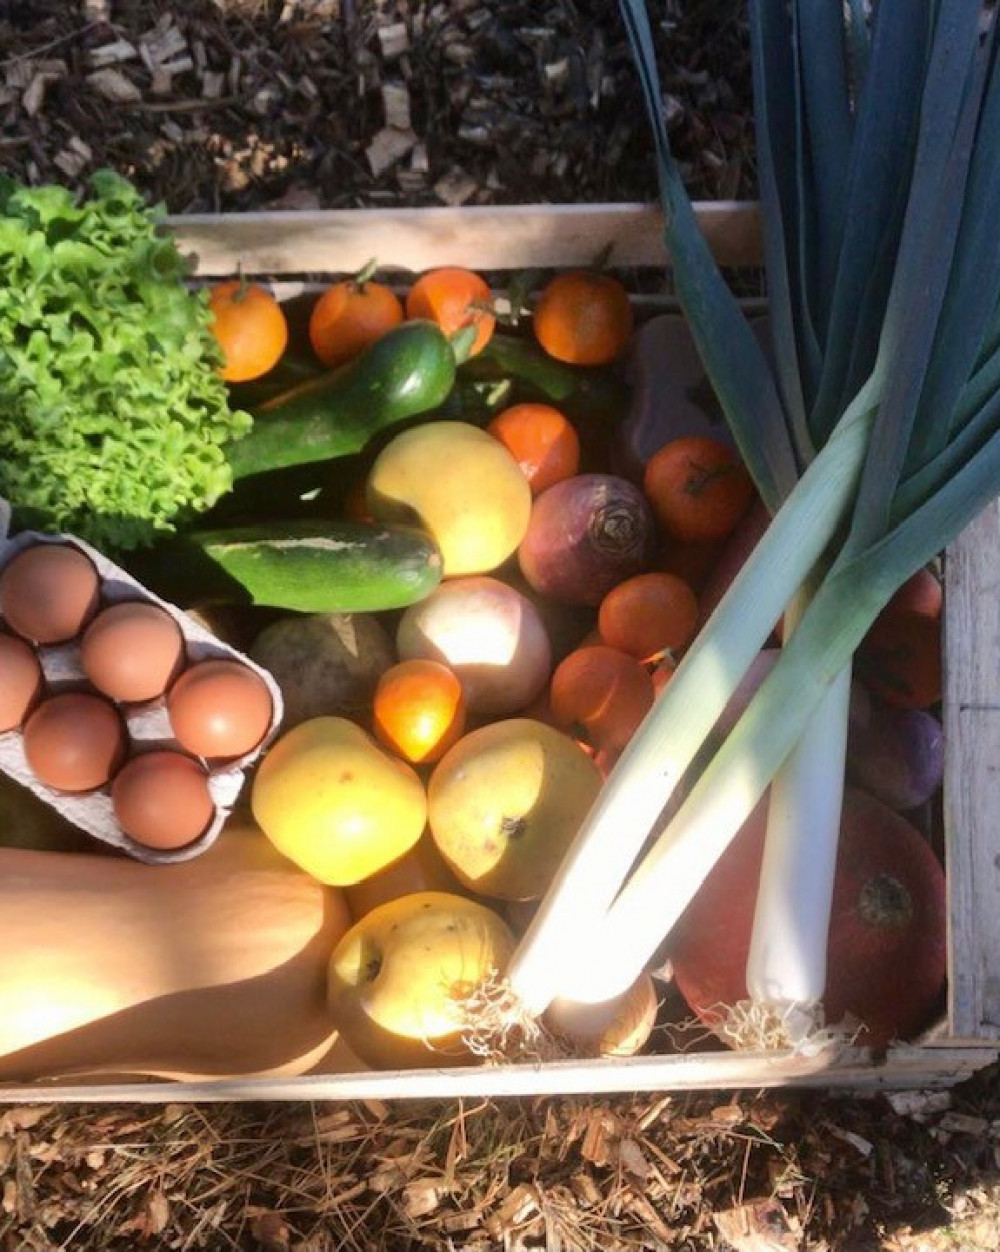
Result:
x=114 y=416
x=729 y=350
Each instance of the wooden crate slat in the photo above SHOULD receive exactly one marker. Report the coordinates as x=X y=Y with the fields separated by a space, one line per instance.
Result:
x=488 y=238
x=972 y=776
x=907 y=1067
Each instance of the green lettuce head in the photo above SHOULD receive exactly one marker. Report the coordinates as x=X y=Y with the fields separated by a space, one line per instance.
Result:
x=113 y=417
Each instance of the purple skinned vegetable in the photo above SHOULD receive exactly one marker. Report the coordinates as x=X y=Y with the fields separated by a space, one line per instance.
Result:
x=587 y=534
x=671 y=396
x=895 y=754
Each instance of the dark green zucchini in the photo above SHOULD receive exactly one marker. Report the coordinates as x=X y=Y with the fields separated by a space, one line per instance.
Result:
x=588 y=393
x=295 y=367
x=409 y=371
x=304 y=566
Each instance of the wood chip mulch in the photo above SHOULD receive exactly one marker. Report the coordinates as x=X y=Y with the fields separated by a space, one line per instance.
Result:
x=239 y=104
x=744 y=1172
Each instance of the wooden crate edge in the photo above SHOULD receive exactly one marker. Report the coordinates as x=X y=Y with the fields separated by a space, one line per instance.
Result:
x=482 y=237
x=905 y=1067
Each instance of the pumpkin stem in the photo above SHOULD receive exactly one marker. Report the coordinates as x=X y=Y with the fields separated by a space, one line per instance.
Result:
x=885 y=902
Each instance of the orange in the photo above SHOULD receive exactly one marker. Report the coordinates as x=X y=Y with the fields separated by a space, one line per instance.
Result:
x=419 y=710
x=921 y=593
x=250 y=327
x=900 y=658
x=648 y=614
x=698 y=488
x=454 y=298
x=350 y=316
x=583 y=317
x=600 y=695
x=541 y=440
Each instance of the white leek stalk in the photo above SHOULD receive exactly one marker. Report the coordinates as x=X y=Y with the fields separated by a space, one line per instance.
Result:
x=786 y=965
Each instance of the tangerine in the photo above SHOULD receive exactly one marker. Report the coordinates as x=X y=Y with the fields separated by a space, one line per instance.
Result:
x=454 y=298
x=600 y=695
x=542 y=441
x=419 y=710
x=250 y=327
x=648 y=614
x=921 y=593
x=583 y=317
x=350 y=316
x=698 y=487
x=900 y=658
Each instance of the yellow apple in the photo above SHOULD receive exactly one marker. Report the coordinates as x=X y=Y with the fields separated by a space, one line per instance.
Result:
x=400 y=977
x=422 y=868
x=335 y=803
x=458 y=483
x=505 y=803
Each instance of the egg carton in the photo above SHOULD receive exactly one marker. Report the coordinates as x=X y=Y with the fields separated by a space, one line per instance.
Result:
x=147 y=725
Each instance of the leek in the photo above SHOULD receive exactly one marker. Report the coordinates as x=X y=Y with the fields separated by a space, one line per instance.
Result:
x=880 y=185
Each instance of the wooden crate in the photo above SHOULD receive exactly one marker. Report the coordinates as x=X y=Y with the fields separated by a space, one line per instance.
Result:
x=303 y=247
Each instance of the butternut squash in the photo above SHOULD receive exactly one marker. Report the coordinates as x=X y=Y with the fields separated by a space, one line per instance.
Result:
x=213 y=967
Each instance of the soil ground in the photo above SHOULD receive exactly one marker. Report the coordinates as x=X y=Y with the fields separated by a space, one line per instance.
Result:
x=351 y=103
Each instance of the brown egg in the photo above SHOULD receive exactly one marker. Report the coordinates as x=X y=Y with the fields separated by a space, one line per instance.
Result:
x=20 y=681
x=162 y=800
x=74 y=741
x=219 y=709
x=131 y=651
x=48 y=592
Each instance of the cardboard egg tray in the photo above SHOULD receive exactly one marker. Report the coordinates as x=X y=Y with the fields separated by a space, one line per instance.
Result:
x=147 y=725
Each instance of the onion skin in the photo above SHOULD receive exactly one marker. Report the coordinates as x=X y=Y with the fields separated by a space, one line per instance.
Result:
x=887 y=958
x=587 y=534
x=619 y=1027
x=489 y=634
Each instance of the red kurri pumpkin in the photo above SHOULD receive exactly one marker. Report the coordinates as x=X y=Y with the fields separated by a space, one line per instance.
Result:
x=887 y=955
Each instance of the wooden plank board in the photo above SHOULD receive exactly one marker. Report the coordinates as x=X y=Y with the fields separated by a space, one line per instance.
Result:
x=972 y=776
x=500 y=237
x=907 y=1067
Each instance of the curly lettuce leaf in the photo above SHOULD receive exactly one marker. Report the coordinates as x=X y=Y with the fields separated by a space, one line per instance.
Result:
x=113 y=417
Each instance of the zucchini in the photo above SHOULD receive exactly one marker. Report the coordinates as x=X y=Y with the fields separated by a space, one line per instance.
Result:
x=303 y=566
x=409 y=371
x=583 y=392
x=294 y=368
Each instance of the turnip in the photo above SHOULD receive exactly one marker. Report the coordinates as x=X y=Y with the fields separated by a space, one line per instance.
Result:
x=586 y=534
x=489 y=634
x=670 y=395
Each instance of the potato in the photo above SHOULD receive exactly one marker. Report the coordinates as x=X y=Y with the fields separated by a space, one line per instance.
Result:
x=325 y=663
